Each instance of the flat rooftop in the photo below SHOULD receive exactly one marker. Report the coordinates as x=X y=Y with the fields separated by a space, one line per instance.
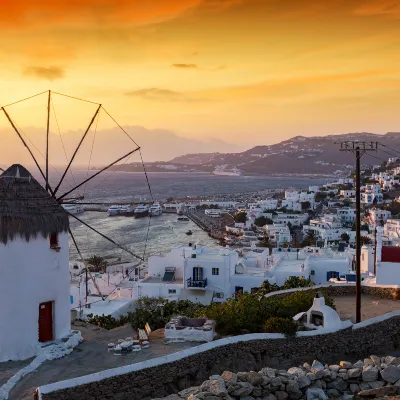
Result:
x=158 y=279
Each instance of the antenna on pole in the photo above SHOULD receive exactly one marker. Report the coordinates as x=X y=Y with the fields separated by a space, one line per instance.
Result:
x=358 y=149
x=47 y=141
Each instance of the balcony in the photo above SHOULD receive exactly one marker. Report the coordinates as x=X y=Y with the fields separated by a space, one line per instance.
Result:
x=196 y=284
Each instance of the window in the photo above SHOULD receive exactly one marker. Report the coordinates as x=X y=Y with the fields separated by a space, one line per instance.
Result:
x=215 y=271
x=54 y=241
x=197 y=273
x=171 y=291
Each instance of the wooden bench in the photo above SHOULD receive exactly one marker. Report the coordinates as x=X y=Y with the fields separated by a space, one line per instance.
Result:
x=144 y=334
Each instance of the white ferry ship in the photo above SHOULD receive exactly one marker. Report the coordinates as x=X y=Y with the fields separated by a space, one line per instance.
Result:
x=222 y=170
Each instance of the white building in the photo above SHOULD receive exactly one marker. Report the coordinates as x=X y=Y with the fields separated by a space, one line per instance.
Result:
x=34 y=267
x=376 y=216
x=347 y=215
x=295 y=195
x=292 y=205
x=278 y=234
x=285 y=218
x=392 y=229
x=348 y=193
x=313 y=188
x=318 y=265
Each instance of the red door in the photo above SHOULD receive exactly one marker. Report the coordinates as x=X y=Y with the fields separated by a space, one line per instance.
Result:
x=46 y=321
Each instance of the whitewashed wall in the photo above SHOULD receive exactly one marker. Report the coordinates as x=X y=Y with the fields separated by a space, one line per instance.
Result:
x=31 y=273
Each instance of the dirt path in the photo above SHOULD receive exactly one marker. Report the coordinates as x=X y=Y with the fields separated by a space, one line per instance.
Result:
x=89 y=357
x=370 y=307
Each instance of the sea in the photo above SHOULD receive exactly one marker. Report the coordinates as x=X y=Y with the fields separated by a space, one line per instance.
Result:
x=149 y=236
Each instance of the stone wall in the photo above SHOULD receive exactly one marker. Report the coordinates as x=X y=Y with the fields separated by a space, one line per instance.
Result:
x=170 y=374
x=338 y=290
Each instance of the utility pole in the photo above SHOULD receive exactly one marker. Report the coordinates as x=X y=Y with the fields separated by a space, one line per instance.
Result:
x=375 y=251
x=358 y=149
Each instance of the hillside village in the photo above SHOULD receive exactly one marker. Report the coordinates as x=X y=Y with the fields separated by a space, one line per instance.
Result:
x=284 y=255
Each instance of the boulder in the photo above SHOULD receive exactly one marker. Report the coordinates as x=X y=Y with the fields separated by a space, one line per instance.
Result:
x=316 y=366
x=343 y=375
x=376 y=360
x=217 y=387
x=296 y=371
x=390 y=374
x=229 y=377
x=333 y=393
x=354 y=388
x=367 y=362
x=364 y=386
x=354 y=372
x=281 y=395
x=269 y=397
x=334 y=367
x=292 y=387
x=345 y=364
x=306 y=366
x=376 y=385
x=254 y=378
x=240 y=389
x=381 y=392
x=370 y=374
x=270 y=372
x=276 y=381
x=311 y=377
x=339 y=384
x=390 y=360
x=303 y=381
x=316 y=394
x=187 y=392
x=358 y=364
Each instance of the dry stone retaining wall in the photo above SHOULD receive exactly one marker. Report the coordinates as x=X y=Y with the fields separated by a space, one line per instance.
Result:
x=244 y=353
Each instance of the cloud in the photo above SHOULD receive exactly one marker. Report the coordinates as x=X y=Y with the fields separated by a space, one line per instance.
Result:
x=185 y=66
x=159 y=94
x=381 y=7
x=48 y=73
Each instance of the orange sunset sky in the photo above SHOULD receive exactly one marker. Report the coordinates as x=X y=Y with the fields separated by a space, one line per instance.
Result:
x=246 y=72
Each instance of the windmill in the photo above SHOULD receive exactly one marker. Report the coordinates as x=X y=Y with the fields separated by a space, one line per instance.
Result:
x=56 y=191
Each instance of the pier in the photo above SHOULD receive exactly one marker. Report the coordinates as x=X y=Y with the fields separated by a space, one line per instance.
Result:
x=214 y=226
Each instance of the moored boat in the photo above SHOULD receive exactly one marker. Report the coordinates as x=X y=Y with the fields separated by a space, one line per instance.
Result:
x=141 y=211
x=155 y=210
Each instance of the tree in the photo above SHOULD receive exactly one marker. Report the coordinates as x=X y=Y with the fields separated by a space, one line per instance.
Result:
x=365 y=227
x=97 y=264
x=265 y=242
x=320 y=196
x=365 y=240
x=262 y=221
x=345 y=237
x=241 y=217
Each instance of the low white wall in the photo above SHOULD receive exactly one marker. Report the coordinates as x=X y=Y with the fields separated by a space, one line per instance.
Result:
x=189 y=334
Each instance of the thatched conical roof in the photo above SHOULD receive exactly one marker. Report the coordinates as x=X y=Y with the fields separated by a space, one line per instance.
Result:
x=26 y=209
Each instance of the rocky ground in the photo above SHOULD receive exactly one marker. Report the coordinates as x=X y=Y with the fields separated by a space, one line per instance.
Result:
x=374 y=377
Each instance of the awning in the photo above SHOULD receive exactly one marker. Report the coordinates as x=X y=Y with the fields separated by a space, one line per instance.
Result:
x=197 y=296
x=169 y=276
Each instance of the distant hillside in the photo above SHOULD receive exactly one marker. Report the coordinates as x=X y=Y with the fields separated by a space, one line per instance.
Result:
x=298 y=155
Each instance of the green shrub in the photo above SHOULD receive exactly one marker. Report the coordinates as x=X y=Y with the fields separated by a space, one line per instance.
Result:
x=294 y=282
x=107 y=321
x=281 y=325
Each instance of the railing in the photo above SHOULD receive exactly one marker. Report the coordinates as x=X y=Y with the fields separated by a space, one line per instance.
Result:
x=200 y=284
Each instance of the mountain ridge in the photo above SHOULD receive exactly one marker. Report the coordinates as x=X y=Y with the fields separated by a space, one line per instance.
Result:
x=299 y=155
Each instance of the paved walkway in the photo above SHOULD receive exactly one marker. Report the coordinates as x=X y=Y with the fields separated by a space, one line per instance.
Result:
x=89 y=357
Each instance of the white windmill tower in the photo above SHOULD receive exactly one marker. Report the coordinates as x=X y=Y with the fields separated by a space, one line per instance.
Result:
x=34 y=266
